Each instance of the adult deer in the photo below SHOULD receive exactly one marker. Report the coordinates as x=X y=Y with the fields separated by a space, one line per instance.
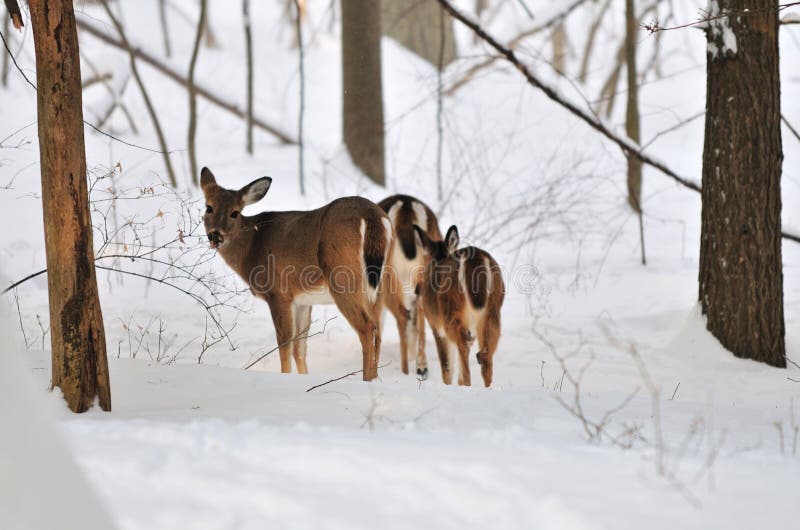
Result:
x=462 y=294
x=294 y=260
x=405 y=272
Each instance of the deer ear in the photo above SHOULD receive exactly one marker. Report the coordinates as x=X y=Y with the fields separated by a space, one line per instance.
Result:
x=255 y=191
x=206 y=178
x=452 y=239
x=421 y=238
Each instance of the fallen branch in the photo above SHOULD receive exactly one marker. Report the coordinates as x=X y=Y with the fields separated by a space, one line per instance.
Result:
x=95 y=30
x=345 y=376
x=629 y=147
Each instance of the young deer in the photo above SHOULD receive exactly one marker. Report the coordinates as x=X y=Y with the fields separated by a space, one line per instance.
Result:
x=293 y=260
x=405 y=272
x=462 y=294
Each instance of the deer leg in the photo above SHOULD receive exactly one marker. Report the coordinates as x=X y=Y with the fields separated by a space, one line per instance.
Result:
x=283 y=319
x=302 y=323
x=402 y=317
x=488 y=337
x=464 y=340
x=418 y=320
x=443 y=349
x=367 y=327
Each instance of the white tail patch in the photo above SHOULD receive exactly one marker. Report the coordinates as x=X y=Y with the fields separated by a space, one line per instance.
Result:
x=420 y=214
x=472 y=316
x=392 y=213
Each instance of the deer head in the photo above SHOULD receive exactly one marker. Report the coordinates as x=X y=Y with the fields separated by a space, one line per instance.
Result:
x=437 y=250
x=223 y=217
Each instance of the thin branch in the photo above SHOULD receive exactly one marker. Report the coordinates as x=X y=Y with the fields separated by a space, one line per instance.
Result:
x=706 y=17
x=301 y=335
x=345 y=376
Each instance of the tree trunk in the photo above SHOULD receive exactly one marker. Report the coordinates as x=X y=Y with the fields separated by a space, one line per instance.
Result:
x=248 y=47
x=362 y=115
x=632 y=126
x=414 y=24
x=190 y=141
x=80 y=367
x=741 y=276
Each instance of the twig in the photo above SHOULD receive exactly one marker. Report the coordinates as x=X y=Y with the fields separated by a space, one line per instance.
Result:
x=345 y=376
x=301 y=335
x=21 y=326
x=706 y=17
x=675 y=391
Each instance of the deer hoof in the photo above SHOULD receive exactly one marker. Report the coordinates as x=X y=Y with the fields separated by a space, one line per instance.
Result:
x=422 y=373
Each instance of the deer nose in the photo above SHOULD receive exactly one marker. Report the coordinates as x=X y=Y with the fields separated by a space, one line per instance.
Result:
x=215 y=238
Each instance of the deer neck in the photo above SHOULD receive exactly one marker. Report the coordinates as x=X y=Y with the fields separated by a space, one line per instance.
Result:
x=238 y=251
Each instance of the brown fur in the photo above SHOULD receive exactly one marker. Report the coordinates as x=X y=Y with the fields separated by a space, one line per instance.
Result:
x=409 y=317
x=285 y=255
x=454 y=309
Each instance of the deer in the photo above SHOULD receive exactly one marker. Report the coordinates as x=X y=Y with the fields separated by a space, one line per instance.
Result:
x=294 y=260
x=462 y=294
x=404 y=275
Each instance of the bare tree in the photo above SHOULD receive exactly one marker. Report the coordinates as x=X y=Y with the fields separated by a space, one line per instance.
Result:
x=96 y=30
x=248 y=46
x=162 y=17
x=741 y=273
x=145 y=96
x=80 y=367
x=362 y=87
x=632 y=124
x=191 y=147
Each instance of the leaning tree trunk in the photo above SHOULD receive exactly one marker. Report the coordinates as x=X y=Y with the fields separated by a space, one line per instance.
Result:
x=362 y=93
x=80 y=368
x=741 y=277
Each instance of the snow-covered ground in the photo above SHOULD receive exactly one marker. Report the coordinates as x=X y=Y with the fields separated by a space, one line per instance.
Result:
x=692 y=437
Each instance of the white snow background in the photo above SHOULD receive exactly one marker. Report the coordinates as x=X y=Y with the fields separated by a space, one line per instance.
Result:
x=209 y=445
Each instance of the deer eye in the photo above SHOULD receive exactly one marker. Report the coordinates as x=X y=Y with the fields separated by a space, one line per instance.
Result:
x=234 y=214
x=209 y=209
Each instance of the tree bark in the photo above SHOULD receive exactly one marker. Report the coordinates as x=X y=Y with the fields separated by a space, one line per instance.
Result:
x=80 y=368
x=741 y=275
x=362 y=114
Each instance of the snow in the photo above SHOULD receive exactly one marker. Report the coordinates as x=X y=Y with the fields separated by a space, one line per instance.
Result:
x=720 y=25
x=207 y=444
